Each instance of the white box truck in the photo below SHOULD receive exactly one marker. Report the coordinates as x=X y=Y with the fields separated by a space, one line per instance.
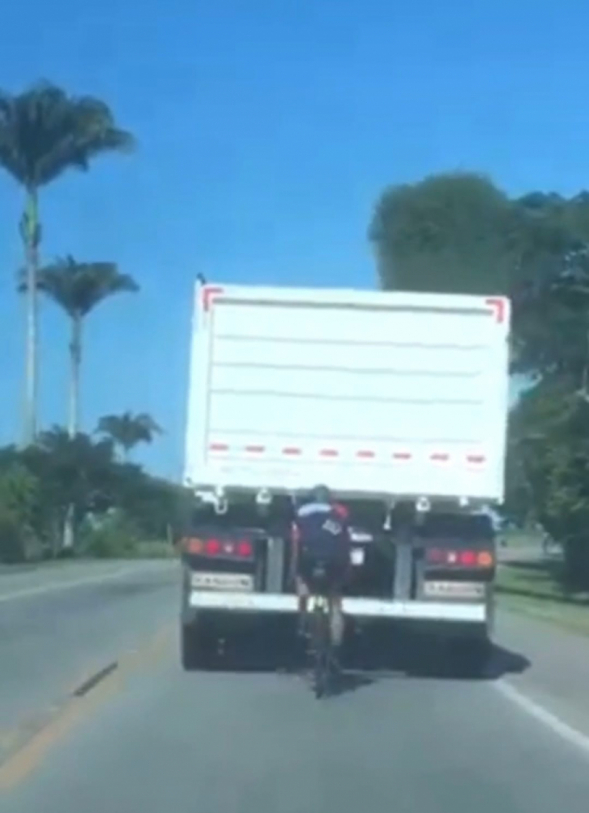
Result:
x=397 y=402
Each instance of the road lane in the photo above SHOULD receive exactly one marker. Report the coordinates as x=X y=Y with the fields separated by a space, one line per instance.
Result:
x=256 y=742
x=52 y=638
x=25 y=581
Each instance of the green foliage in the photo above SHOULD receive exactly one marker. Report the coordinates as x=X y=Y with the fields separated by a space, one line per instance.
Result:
x=116 y=505
x=114 y=535
x=459 y=233
x=550 y=447
x=19 y=509
x=43 y=132
x=12 y=543
x=79 y=287
x=447 y=233
x=128 y=430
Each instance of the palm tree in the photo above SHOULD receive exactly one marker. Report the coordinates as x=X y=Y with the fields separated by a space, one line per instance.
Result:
x=127 y=430
x=44 y=132
x=78 y=288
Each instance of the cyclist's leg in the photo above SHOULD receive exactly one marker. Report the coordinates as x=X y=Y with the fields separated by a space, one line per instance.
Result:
x=339 y=577
x=302 y=588
x=336 y=618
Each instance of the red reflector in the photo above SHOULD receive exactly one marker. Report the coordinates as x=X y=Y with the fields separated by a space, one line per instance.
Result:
x=212 y=547
x=468 y=558
x=245 y=549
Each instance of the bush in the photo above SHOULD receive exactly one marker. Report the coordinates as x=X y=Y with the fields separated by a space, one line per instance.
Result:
x=40 y=484
x=576 y=563
x=114 y=536
x=12 y=541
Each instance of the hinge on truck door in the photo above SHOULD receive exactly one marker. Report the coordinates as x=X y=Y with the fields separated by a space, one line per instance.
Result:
x=388 y=520
x=422 y=505
x=263 y=498
x=216 y=498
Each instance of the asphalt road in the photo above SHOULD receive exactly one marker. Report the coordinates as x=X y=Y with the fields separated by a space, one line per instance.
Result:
x=59 y=625
x=150 y=737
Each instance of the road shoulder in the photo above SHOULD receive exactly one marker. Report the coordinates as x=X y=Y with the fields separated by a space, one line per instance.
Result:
x=557 y=676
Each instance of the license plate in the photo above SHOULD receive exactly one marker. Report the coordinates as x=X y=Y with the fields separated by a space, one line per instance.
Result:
x=233 y=582
x=357 y=556
x=356 y=535
x=470 y=590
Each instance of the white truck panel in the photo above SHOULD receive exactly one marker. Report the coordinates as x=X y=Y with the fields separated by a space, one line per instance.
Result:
x=372 y=393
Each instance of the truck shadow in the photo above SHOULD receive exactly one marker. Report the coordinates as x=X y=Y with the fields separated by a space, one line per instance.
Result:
x=424 y=660
x=366 y=661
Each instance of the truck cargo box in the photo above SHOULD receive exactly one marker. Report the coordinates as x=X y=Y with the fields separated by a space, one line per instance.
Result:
x=372 y=393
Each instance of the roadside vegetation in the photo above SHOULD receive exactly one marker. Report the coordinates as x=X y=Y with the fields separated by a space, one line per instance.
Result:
x=460 y=233
x=537 y=588
x=118 y=509
x=65 y=492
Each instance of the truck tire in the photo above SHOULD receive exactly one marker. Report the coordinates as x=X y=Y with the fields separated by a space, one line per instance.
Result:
x=196 y=647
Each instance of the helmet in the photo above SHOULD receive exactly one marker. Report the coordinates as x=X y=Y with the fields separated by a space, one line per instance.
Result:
x=320 y=494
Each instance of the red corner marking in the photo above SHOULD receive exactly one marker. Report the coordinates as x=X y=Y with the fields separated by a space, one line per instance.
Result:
x=498 y=305
x=208 y=293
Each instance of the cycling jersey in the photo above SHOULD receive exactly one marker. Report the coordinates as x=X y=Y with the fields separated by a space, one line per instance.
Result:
x=321 y=533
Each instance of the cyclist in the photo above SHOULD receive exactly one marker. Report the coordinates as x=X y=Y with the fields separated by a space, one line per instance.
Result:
x=321 y=535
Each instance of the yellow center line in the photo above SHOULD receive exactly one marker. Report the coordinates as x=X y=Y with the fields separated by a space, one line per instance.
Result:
x=21 y=764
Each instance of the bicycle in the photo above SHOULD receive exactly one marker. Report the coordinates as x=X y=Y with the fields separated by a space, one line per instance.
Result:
x=324 y=661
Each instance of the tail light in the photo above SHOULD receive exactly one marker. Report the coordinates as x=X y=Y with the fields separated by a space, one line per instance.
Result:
x=220 y=548
x=442 y=557
x=212 y=547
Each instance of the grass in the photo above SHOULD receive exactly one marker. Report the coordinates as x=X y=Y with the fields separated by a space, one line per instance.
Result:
x=522 y=539
x=155 y=549
x=533 y=588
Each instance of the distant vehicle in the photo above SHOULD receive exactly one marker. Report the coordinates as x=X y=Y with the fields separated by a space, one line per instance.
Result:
x=396 y=401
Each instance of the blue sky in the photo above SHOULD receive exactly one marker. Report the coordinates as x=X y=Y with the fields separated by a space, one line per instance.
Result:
x=267 y=129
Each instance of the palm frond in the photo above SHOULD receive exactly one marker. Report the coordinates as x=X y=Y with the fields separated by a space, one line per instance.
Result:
x=44 y=131
x=127 y=429
x=79 y=287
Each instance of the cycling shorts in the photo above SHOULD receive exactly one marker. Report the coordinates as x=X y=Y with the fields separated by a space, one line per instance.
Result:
x=323 y=572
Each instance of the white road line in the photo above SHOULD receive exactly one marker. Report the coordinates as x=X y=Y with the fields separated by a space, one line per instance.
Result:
x=547 y=718
x=51 y=588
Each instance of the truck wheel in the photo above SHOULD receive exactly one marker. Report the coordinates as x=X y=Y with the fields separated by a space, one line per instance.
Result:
x=196 y=647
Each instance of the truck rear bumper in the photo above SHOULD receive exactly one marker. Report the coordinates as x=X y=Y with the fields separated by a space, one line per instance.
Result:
x=465 y=613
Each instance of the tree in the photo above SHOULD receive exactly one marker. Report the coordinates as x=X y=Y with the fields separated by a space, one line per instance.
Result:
x=550 y=444
x=78 y=288
x=44 y=132
x=127 y=430
x=19 y=504
x=115 y=504
x=455 y=232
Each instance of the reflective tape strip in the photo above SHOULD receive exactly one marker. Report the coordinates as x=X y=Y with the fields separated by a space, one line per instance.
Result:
x=470 y=459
